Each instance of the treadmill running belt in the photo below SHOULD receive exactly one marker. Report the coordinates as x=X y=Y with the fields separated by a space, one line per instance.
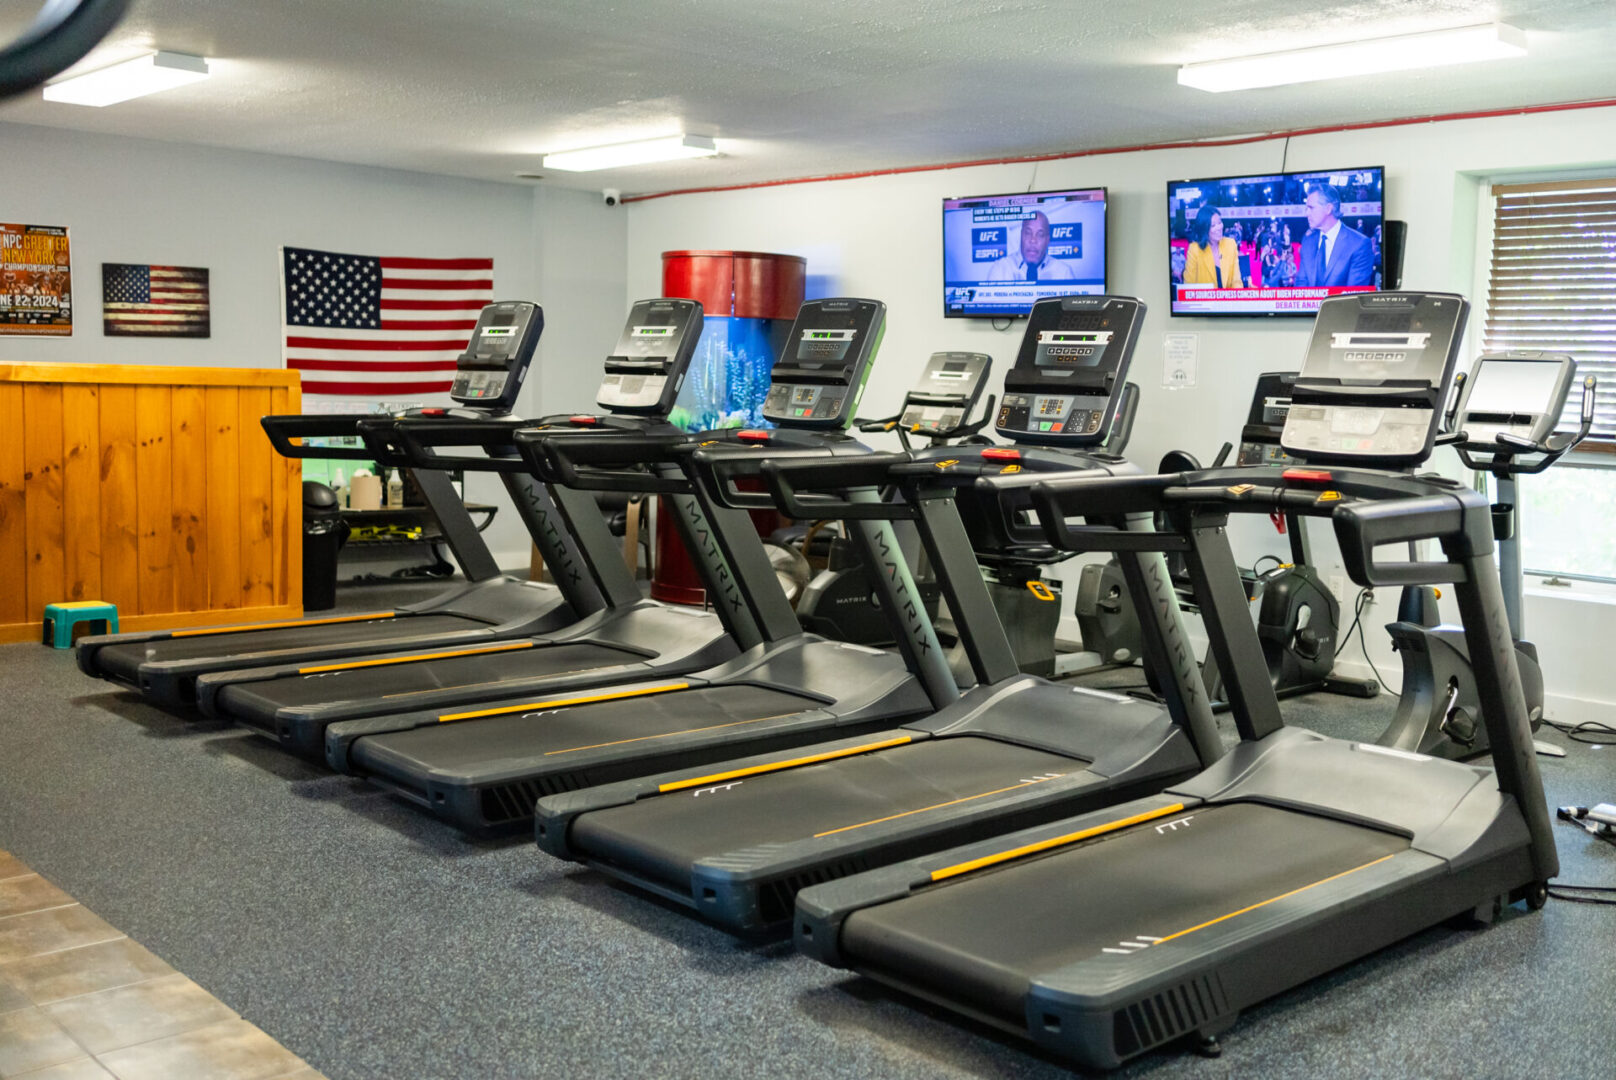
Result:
x=124 y=660
x=987 y=935
x=537 y=739
x=368 y=680
x=663 y=837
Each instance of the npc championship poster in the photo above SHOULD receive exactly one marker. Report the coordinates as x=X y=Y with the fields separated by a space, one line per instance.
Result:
x=36 y=281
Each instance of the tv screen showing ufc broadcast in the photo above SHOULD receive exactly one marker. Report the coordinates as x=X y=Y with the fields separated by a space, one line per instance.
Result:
x=1274 y=245
x=1002 y=253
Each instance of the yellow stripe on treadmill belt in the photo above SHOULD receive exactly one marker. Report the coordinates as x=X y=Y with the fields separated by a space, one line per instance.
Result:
x=561 y=702
x=936 y=806
x=384 y=661
x=1053 y=842
x=369 y=615
x=1273 y=899
x=755 y=770
x=667 y=734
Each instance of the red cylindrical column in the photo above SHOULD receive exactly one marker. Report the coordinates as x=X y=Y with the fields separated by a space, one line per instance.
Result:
x=754 y=285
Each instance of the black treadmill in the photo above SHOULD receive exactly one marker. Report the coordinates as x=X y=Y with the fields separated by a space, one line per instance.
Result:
x=1160 y=919
x=165 y=664
x=736 y=840
x=629 y=638
x=483 y=766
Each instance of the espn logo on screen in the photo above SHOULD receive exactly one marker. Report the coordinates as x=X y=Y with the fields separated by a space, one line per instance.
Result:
x=1066 y=241
x=988 y=245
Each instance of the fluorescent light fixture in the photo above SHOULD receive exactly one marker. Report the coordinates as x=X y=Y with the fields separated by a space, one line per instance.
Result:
x=131 y=79
x=1438 y=48
x=644 y=152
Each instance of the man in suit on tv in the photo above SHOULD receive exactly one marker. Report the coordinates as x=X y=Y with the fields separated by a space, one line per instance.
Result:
x=1332 y=252
x=1032 y=262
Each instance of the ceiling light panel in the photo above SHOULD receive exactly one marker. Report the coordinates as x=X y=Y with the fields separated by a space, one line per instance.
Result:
x=1407 y=52
x=622 y=155
x=143 y=75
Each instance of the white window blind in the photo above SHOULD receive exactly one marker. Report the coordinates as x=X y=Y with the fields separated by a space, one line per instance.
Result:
x=1552 y=283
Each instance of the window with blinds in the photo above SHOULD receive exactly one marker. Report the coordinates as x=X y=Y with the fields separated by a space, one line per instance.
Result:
x=1552 y=284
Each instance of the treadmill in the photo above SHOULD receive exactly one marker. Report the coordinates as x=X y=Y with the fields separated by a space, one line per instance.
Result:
x=736 y=840
x=629 y=638
x=165 y=664
x=1158 y=920
x=482 y=766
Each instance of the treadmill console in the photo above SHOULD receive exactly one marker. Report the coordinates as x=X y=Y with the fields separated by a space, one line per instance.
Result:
x=1514 y=393
x=947 y=392
x=1265 y=422
x=489 y=374
x=1376 y=376
x=819 y=377
x=1069 y=374
x=647 y=367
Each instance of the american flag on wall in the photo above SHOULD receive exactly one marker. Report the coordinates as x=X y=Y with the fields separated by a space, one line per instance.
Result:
x=377 y=326
x=154 y=301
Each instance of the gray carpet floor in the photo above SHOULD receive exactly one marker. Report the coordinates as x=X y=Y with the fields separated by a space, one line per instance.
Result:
x=375 y=942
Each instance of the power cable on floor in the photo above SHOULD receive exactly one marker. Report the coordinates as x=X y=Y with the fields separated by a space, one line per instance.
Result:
x=1591 y=732
x=1358 y=605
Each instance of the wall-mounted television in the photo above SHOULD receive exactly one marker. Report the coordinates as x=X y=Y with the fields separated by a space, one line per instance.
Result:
x=1276 y=244
x=1003 y=253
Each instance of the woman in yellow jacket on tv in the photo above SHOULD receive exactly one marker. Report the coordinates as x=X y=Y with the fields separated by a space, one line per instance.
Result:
x=1202 y=266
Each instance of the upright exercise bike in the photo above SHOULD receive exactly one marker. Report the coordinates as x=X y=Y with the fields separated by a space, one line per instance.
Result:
x=1508 y=409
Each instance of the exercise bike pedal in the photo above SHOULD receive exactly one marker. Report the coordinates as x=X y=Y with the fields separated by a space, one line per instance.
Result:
x=1456 y=724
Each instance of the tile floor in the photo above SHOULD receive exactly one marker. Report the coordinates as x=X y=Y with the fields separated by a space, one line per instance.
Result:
x=80 y=1001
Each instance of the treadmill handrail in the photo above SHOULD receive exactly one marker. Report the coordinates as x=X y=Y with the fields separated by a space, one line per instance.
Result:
x=718 y=467
x=379 y=433
x=417 y=438
x=1406 y=509
x=812 y=490
x=284 y=428
x=580 y=460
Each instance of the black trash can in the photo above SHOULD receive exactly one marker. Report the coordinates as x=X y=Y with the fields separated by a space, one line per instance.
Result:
x=324 y=533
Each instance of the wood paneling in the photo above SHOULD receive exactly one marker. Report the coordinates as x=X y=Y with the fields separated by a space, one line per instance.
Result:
x=120 y=565
x=154 y=496
x=257 y=566
x=42 y=490
x=188 y=423
x=224 y=497
x=13 y=511
x=152 y=488
x=81 y=491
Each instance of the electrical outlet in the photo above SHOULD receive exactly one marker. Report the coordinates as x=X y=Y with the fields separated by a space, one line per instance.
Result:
x=1369 y=601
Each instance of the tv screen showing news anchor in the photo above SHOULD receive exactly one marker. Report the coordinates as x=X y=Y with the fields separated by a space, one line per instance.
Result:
x=1274 y=245
x=1003 y=253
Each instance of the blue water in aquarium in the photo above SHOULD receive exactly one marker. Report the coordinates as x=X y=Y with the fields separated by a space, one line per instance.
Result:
x=729 y=376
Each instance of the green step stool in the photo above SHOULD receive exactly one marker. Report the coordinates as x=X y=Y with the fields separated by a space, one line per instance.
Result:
x=61 y=618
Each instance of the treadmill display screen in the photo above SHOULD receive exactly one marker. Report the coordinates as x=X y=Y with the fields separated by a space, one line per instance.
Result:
x=1386 y=336
x=647 y=367
x=821 y=371
x=1070 y=370
x=822 y=348
x=1072 y=347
